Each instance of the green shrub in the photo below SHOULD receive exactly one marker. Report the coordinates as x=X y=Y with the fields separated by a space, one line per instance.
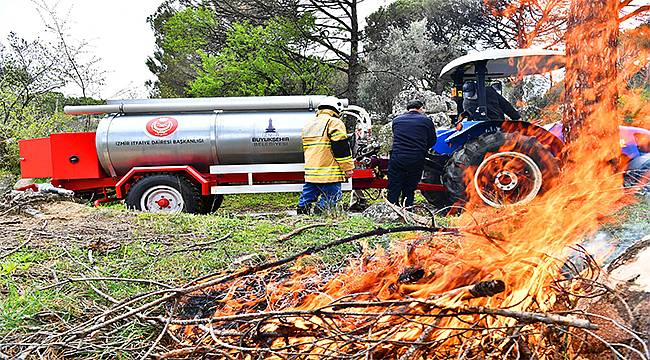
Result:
x=40 y=118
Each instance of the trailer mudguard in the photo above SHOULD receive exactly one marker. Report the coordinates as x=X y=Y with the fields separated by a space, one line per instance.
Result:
x=192 y=174
x=472 y=129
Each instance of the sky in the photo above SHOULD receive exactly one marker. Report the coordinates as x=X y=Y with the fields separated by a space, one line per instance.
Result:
x=117 y=31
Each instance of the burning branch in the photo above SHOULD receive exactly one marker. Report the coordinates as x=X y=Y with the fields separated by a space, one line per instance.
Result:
x=171 y=294
x=272 y=326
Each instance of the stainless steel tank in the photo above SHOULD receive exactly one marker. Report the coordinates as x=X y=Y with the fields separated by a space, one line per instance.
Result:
x=200 y=132
x=200 y=139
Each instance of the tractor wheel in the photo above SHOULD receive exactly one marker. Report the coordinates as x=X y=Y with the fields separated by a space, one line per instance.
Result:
x=211 y=203
x=431 y=175
x=501 y=169
x=163 y=193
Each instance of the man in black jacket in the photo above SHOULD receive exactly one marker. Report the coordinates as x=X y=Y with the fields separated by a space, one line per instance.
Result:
x=497 y=105
x=413 y=135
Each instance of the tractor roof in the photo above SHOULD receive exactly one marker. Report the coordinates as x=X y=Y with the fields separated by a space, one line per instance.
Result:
x=503 y=63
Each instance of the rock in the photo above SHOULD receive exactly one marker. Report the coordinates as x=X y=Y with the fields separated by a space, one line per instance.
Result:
x=382 y=213
x=441 y=120
x=434 y=103
x=438 y=109
x=641 y=319
x=606 y=306
x=28 y=202
x=385 y=139
x=632 y=269
x=385 y=134
x=452 y=108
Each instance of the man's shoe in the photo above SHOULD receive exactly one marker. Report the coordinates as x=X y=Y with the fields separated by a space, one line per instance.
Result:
x=303 y=210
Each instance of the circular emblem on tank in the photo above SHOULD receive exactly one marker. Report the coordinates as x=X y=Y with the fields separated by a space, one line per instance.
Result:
x=162 y=126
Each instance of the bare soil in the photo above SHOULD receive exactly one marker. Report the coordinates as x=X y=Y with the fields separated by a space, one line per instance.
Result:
x=65 y=221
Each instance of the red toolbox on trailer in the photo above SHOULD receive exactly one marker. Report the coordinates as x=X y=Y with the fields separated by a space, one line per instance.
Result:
x=61 y=156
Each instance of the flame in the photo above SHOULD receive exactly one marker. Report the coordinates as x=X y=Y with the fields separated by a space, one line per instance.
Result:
x=524 y=246
x=535 y=22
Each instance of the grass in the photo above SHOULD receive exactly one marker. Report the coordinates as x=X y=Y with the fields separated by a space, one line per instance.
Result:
x=253 y=235
x=260 y=202
x=158 y=250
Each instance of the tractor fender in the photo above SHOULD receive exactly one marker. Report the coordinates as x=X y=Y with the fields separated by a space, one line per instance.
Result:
x=474 y=129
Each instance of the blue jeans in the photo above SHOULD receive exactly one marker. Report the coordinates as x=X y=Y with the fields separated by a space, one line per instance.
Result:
x=329 y=194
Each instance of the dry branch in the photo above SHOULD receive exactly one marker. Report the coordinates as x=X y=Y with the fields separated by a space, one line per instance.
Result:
x=184 y=352
x=440 y=301
x=8 y=253
x=299 y=230
x=260 y=334
x=202 y=245
x=159 y=337
x=551 y=319
x=408 y=216
x=480 y=289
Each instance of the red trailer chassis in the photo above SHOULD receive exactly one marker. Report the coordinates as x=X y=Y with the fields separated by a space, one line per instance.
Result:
x=71 y=161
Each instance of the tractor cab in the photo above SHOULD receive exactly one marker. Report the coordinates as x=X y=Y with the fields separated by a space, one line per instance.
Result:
x=482 y=68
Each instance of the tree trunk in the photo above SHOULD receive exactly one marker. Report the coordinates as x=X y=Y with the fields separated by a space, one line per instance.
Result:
x=354 y=68
x=590 y=83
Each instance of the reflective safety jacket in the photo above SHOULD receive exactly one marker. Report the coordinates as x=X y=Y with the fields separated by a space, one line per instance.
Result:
x=327 y=150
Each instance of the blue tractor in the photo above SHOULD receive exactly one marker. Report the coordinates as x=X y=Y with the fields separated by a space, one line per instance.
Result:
x=506 y=162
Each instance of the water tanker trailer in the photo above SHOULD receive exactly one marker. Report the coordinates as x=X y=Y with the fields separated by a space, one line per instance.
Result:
x=171 y=155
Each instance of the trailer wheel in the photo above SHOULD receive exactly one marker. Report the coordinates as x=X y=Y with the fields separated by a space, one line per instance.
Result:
x=501 y=169
x=164 y=193
x=211 y=203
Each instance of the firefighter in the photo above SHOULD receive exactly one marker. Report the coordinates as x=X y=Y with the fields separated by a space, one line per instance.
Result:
x=328 y=159
x=497 y=105
x=413 y=135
